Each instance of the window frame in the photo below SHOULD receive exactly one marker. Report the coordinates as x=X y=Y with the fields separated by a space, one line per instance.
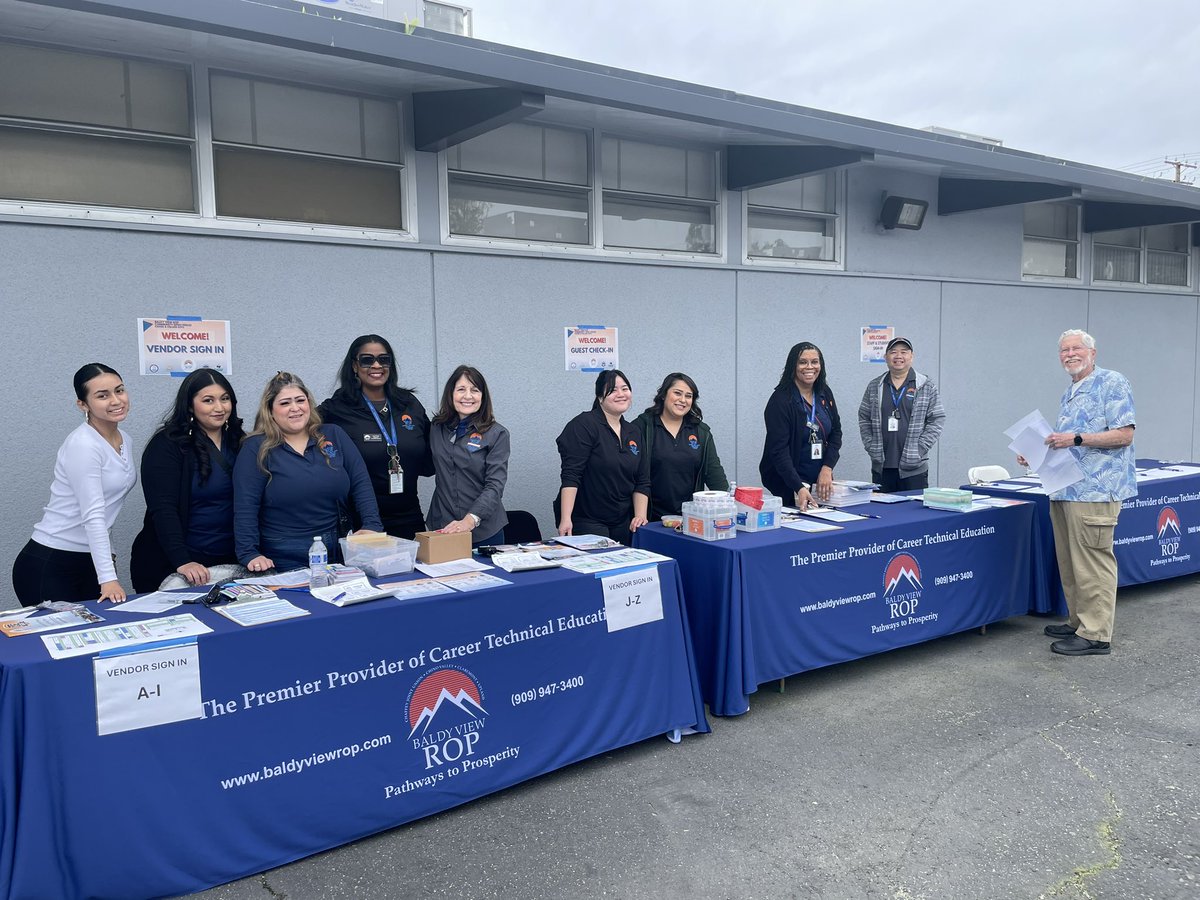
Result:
x=75 y=209
x=205 y=219
x=1143 y=250
x=1083 y=257
x=838 y=216
x=595 y=191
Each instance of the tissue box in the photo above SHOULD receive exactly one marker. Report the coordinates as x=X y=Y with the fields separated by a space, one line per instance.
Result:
x=379 y=554
x=436 y=547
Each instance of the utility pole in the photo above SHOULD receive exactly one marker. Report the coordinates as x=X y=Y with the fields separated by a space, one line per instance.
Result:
x=1179 y=165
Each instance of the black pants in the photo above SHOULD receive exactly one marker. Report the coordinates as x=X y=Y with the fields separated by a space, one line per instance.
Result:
x=890 y=480
x=617 y=531
x=42 y=573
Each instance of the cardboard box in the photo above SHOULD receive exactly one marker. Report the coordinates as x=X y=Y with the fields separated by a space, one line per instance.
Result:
x=435 y=547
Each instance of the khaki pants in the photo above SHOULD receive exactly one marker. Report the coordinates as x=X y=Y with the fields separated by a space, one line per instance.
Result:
x=1083 y=542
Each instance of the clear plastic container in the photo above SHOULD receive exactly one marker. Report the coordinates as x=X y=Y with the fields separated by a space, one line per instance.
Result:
x=379 y=555
x=710 y=519
x=751 y=519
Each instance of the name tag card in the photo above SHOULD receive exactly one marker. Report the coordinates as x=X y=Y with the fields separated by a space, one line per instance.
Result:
x=632 y=597
x=150 y=687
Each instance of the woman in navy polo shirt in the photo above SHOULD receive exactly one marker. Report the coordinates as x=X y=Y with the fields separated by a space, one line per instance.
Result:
x=295 y=478
x=679 y=447
x=187 y=478
x=605 y=479
x=389 y=427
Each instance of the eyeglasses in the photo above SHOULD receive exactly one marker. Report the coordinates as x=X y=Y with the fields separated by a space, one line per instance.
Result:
x=366 y=360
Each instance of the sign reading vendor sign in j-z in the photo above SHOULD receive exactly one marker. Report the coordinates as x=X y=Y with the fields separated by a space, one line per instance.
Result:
x=178 y=345
x=591 y=348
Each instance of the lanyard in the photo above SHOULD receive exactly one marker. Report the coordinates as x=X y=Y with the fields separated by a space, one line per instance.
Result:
x=390 y=435
x=815 y=424
x=897 y=395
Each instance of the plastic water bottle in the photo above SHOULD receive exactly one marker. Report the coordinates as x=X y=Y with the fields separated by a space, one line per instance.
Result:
x=318 y=563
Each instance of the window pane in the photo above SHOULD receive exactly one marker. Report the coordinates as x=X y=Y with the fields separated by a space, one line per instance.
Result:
x=525 y=151
x=101 y=171
x=1166 y=268
x=658 y=226
x=518 y=212
x=790 y=237
x=702 y=174
x=1052 y=220
x=814 y=193
x=1167 y=237
x=1124 y=237
x=288 y=117
x=1055 y=258
x=1115 y=263
x=61 y=86
x=253 y=184
x=645 y=168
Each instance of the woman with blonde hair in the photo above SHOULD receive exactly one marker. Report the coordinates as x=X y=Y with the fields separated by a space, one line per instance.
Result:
x=296 y=478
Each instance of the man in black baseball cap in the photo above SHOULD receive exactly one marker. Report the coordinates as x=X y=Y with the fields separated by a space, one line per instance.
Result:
x=900 y=419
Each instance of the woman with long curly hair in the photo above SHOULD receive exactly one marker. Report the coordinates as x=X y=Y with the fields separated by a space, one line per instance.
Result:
x=187 y=479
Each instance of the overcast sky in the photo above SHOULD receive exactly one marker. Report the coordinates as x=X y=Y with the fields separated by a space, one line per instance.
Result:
x=1109 y=83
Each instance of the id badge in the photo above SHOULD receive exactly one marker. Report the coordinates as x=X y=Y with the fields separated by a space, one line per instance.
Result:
x=893 y=423
x=816 y=449
x=395 y=476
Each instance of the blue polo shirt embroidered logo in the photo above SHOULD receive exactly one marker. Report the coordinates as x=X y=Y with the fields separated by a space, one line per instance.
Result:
x=633 y=447
x=475 y=442
x=328 y=449
x=407 y=422
x=692 y=442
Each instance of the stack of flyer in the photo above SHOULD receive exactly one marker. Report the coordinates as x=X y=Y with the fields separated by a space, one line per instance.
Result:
x=850 y=493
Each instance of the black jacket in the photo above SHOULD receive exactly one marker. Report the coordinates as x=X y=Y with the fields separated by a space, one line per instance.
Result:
x=401 y=513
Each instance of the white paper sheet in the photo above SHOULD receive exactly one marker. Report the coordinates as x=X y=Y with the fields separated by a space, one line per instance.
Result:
x=454 y=567
x=93 y=640
x=158 y=601
x=420 y=587
x=632 y=598
x=474 y=581
x=258 y=612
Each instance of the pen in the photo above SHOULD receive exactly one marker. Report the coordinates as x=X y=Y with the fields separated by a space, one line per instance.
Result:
x=868 y=515
x=338 y=597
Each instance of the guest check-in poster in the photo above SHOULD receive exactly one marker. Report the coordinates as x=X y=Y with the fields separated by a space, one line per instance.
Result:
x=874 y=340
x=591 y=348
x=177 y=345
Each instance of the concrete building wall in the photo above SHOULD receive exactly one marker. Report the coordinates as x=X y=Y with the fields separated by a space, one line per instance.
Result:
x=72 y=295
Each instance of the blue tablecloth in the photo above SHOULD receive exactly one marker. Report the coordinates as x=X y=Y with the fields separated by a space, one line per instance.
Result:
x=1157 y=534
x=181 y=807
x=767 y=605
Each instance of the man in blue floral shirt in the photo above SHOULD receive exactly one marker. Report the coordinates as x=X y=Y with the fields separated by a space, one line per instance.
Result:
x=1095 y=423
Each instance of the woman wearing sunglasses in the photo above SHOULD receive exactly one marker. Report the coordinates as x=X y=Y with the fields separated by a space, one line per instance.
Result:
x=389 y=426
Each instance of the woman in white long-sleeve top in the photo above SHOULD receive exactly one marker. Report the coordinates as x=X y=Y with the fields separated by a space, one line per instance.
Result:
x=470 y=460
x=70 y=554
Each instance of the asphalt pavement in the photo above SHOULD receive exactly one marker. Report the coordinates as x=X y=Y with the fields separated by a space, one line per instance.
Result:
x=973 y=766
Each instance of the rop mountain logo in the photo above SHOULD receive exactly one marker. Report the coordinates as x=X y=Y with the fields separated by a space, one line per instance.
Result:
x=902 y=576
x=1168 y=524
x=446 y=714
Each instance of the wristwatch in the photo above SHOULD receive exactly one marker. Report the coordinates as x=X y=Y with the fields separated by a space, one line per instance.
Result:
x=1078 y=439
x=475 y=519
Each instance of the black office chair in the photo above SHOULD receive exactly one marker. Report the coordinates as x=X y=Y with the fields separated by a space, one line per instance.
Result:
x=522 y=528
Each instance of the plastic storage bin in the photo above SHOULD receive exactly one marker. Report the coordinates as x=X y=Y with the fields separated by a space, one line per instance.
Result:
x=751 y=519
x=380 y=555
x=710 y=518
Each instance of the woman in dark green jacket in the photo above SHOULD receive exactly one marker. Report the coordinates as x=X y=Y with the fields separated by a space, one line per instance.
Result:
x=679 y=447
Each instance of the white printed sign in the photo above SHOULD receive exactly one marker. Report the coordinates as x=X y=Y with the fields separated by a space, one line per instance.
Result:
x=180 y=345
x=632 y=598
x=591 y=348
x=150 y=687
x=874 y=342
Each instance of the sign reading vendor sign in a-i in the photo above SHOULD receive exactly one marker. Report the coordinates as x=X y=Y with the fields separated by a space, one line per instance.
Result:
x=178 y=345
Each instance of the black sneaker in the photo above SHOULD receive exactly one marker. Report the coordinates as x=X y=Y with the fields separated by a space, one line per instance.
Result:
x=1058 y=631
